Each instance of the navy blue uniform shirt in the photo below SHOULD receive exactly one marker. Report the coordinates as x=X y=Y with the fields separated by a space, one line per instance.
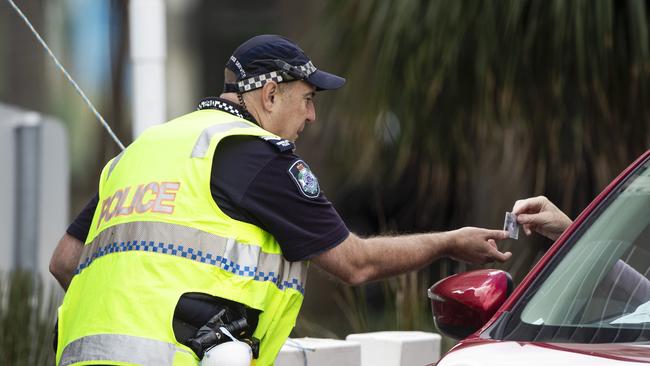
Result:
x=265 y=184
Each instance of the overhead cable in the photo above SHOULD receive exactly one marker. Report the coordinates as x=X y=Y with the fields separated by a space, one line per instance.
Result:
x=63 y=70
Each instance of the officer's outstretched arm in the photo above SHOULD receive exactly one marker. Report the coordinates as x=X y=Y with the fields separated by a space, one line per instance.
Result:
x=359 y=260
x=65 y=259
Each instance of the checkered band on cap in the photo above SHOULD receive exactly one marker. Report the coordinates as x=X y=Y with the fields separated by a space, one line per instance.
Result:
x=307 y=68
x=258 y=81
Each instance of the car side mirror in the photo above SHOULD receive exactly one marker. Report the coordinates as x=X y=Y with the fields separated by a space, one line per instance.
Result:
x=463 y=303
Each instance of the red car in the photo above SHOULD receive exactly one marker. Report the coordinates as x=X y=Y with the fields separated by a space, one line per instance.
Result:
x=587 y=301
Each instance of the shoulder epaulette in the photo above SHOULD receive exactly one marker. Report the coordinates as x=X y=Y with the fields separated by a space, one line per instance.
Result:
x=281 y=144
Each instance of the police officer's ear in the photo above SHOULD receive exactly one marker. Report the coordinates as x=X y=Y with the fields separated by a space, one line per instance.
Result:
x=270 y=90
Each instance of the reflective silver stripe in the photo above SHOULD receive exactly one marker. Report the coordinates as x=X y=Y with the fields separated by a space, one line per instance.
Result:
x=186 y=242
x=113 y=164
x=120 y=348
x=203 y=142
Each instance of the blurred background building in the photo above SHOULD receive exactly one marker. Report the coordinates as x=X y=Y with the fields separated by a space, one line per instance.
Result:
x=452 y=111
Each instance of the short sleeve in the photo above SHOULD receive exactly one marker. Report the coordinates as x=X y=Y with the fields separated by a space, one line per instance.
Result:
x=80 y=227
x=277 y=191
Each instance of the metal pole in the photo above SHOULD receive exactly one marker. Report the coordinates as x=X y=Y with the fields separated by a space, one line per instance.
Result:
x=148 y=53
x=28 y=164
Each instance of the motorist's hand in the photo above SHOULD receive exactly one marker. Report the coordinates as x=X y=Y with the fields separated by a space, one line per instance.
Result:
x=477 y=246
x=539 y=214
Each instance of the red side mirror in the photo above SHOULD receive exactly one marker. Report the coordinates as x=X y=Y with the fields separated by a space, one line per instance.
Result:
x=463 y=303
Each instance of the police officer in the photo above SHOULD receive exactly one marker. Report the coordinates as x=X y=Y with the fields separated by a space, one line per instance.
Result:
x=214 y=210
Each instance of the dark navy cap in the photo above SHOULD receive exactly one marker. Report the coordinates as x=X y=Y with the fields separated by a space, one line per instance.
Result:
x=271 y=57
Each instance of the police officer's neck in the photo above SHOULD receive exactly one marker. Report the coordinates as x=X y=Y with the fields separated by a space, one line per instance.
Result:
x=250 y=108
x=231 y=97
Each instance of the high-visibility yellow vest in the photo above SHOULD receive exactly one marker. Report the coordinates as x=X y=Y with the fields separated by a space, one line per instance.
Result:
x=157 y=234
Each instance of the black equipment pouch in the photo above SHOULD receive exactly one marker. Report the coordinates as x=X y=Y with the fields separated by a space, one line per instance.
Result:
x=194 y=311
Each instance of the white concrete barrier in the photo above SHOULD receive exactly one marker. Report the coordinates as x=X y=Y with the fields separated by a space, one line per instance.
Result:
x=397 y=348
x=319 y=352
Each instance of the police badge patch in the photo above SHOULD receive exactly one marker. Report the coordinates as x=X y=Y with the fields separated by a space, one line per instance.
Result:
x=305 y=180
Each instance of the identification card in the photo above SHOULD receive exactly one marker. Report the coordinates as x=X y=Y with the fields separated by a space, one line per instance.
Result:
x=511 y=226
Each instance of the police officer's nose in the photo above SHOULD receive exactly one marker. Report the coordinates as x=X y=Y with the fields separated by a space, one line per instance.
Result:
x=311 y=115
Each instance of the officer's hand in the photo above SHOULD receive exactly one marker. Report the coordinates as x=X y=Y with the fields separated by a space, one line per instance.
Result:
x=477 y=246
x=542 y=216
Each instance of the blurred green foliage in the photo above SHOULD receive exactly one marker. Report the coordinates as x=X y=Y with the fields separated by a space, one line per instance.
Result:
x=568 y=78
x=27 y=315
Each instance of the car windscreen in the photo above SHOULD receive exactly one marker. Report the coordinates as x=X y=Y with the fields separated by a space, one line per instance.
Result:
x=597 y=288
